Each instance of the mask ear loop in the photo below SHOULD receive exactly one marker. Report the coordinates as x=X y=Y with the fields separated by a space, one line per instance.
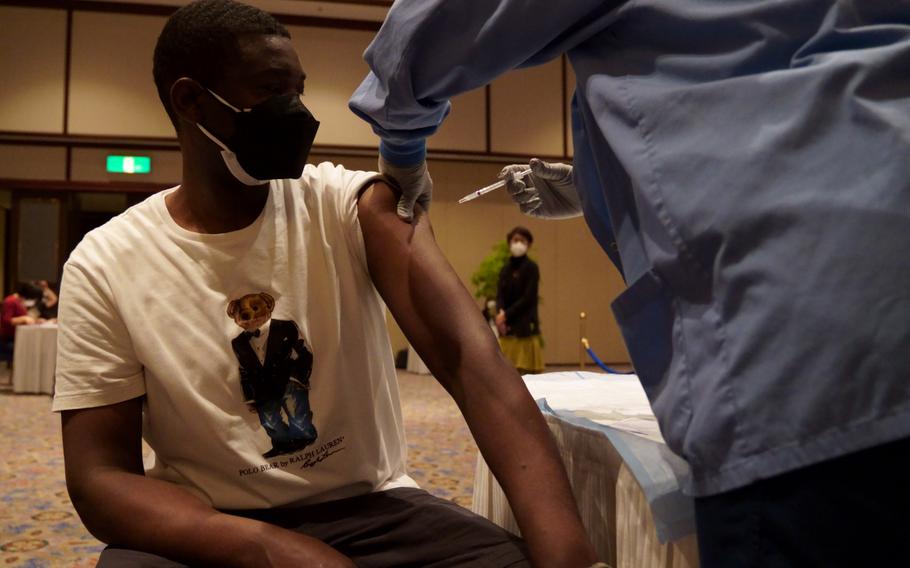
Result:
x=228 y=155
x=230 y=160
x=212 y=138
x=225 y=103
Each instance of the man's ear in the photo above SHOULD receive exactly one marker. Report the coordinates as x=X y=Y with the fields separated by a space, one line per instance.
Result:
x=185 y=98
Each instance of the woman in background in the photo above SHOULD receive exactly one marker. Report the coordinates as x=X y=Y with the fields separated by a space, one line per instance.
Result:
x=47 y=306
x=517 y=321
x=15 y=313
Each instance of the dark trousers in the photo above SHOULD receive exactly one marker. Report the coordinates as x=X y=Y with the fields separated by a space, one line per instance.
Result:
x=847 y=512
x=397 y=528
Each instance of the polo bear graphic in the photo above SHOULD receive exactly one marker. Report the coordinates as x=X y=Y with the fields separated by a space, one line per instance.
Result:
x=275 y=367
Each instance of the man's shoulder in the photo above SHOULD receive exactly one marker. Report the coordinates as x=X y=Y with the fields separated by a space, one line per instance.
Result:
x=118 y=235
x=327 y=177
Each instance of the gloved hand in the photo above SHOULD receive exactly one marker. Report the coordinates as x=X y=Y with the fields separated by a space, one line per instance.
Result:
x=415 y=184
x=547 y=192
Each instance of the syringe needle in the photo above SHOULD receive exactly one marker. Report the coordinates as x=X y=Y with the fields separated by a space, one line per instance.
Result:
x=492 y=187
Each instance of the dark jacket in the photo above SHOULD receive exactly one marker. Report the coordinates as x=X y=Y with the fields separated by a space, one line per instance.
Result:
x=517 y=295
x=261 y=382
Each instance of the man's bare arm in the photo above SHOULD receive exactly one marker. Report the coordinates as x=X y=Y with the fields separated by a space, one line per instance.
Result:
x=440 y=319
x=121 y=506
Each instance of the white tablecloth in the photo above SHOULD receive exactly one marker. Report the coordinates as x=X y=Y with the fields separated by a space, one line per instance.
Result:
x=624 y=478
x=35 y=358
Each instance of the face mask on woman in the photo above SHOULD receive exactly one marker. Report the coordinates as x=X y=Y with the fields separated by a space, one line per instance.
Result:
x=518 y=248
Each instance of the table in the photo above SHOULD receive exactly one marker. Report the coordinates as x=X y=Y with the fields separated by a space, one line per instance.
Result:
x=35 y=358
x=625 y=479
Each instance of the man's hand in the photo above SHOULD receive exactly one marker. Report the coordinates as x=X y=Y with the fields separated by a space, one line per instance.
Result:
x=415 y=184
x=285 y=548
x=119 y=504
x=547 y=192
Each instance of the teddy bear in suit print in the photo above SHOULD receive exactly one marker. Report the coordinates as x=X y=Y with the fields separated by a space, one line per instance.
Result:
x=275 y=367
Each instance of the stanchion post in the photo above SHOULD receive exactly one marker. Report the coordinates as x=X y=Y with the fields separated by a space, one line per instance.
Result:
x=582 y=318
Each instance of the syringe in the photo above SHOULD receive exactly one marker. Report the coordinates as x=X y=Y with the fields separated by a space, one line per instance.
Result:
x=492 y=187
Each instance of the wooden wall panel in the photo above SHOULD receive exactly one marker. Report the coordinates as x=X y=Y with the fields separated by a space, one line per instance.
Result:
x=333 y=62
x=32 y=162
x=570 y=90
x=587 y=282
x=32 y=58
x=465 y=128
x=111 y=88
x=527 y=111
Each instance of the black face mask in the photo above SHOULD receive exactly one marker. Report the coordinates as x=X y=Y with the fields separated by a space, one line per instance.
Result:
x=271 y=140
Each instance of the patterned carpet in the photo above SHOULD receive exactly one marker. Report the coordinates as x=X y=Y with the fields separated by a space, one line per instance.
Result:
x=40 y=528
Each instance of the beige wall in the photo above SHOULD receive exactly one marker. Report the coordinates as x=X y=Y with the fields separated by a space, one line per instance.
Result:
x=111 y=87
x=465 y=128
x=570 y=90
x=32 y=162
x=32 y=57
x=333 y=62
x=111 y=94
x=527 y=111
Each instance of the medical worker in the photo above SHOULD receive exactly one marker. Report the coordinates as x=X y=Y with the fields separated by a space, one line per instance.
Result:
x=746 y=164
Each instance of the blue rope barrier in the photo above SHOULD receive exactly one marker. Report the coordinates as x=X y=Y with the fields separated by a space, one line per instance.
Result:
x=600 y=363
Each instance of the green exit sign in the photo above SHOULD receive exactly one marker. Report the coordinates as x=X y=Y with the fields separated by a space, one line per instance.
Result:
x=129 y=164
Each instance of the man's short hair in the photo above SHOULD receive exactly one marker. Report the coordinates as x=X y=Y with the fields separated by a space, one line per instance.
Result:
x=519 y=230
x=200 y=38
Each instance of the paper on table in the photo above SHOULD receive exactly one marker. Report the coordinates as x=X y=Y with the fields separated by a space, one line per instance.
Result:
x=617 y=401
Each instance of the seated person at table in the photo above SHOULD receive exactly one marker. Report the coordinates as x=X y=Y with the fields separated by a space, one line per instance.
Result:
x=15 y=312
x=47 y=305
x=254 y=356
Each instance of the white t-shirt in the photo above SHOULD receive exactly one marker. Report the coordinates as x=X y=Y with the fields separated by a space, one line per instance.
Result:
x=144 y=311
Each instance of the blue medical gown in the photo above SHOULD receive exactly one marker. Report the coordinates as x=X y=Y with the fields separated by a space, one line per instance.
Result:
x=750 y=160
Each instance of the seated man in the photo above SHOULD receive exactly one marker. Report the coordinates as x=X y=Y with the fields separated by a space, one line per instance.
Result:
x=237 y=325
